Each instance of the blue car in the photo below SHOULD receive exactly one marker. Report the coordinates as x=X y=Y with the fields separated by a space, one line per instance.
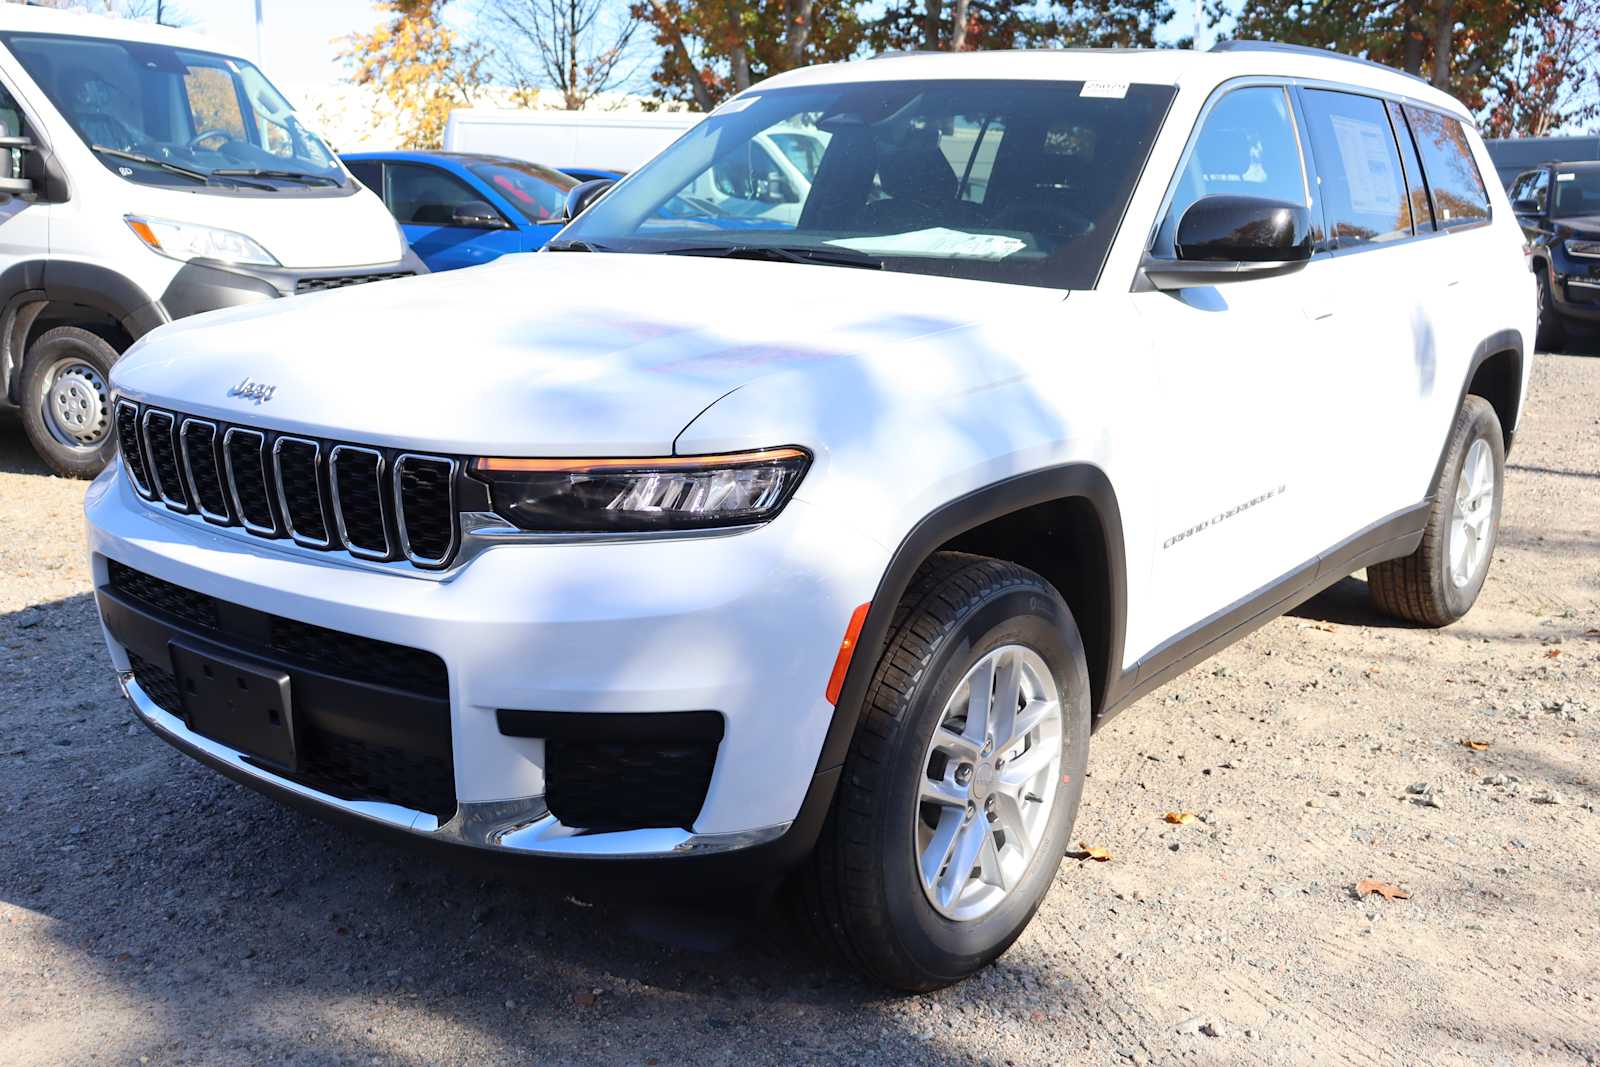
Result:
x=459 y=209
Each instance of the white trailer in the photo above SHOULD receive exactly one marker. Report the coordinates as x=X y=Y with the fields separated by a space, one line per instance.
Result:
x=609 y=140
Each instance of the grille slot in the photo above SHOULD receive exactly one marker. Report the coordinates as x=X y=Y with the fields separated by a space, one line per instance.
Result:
x=625 y=785
x=339 y=281
x=163 y=453
x=243 y=453
x=199 y=440
x=377 y=504
x=133 y=448
x=295 y=462
x=425 y=508
x=357 y=478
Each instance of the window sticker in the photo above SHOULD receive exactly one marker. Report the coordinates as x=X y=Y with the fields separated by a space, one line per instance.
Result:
x=1105 y=90
x=1566 y=177
x=1365 y=149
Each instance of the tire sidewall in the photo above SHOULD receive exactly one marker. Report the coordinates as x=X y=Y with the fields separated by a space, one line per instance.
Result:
x=1479 y=423
x=64 y=342
x=1039 y=620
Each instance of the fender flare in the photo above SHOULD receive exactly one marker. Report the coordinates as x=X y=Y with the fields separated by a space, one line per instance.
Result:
x=1496 y=343
x=1069 y=481
x=26 y=288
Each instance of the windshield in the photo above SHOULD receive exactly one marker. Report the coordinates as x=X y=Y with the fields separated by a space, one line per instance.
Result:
x=1012 y=181
x=538 y=193
x=1577 y=192
x=168 y=116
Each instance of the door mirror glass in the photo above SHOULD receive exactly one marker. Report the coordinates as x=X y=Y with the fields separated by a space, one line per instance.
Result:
x=1244 y=229
x=1526 y=205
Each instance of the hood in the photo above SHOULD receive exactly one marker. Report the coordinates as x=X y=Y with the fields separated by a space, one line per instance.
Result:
x=301 y=232
x=1577 y=226
x=548 y=354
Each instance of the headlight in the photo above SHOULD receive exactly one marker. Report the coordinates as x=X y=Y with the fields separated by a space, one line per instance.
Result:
x=643 y=495
x=186 y=241
x=1581 y=248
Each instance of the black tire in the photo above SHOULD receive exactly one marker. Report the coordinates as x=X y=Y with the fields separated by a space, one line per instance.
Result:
x=86 y=358
x=862 y=885
x=1419 y=587
x=1551 y=335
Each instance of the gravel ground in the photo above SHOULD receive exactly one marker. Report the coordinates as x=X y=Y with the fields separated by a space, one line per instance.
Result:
x=151 y=912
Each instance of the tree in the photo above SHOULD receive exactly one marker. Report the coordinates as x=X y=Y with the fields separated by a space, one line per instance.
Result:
x=712 y=49
x=578 y=46
x=980 y=24
x=419 y=65
x=1551 y=80
x=1457 y=45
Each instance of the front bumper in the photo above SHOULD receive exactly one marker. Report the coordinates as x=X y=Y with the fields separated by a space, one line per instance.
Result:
x=1575 y=284
x=747 y=625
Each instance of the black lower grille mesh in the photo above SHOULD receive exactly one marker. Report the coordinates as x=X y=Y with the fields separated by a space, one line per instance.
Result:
x=158 y=683
x=360 y=658
x=365 y=770
x=627 y=785
x=426 y=506
x=339 y=281
x=199 y=444
x=163 y=453
x=151 y=592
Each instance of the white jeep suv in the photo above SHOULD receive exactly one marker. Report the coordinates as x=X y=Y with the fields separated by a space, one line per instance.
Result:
x=742 y=548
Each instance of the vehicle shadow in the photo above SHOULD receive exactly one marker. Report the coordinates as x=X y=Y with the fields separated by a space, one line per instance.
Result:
x=16 y=454
x=1347 y=602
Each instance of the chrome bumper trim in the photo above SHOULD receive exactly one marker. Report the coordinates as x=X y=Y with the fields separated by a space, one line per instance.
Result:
x=523 y=826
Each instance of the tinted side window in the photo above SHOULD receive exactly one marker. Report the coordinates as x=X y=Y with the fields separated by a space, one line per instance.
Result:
x=11 y=125
x=1539 y=189
x=1459 y=196
x=1363 y=187
x=1416 y=187
x=425 y=196
x=368 y=172
x=1247 y=147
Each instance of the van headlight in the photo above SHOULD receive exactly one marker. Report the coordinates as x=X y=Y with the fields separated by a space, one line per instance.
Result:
x=187 y=240
x=1582 y=248
x=663 y=494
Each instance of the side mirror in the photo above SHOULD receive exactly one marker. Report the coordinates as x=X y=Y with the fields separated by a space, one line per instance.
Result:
x=777 y=190
x=1232 y=238
x=478 y=215
x=1525 y=205
x=9 y=184
x=583 y=195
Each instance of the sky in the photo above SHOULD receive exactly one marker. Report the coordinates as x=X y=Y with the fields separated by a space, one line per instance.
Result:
x=297 y=36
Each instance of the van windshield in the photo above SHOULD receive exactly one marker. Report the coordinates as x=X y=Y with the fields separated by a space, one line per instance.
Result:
x=1012 y=181
x=173 y=117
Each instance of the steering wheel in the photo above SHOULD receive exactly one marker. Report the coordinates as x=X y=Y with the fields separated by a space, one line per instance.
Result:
x=194 y=142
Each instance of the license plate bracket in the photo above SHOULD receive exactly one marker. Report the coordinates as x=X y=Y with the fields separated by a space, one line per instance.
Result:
x=244 y=706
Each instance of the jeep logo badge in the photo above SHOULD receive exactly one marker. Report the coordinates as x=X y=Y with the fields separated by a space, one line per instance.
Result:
x=253 y=391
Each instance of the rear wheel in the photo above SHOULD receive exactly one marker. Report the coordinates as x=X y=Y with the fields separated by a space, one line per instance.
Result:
x=963 y=780
x=1438 y=583
x=66 y=400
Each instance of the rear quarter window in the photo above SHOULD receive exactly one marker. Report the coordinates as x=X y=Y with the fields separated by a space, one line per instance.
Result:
x=1459 y=195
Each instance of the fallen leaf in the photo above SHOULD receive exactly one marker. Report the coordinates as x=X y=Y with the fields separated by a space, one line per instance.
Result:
x=586 y=1000
x=1552 y=654
x=1383 y=889
x=1476 y=746
x=1100 y=855
x=1180 y=818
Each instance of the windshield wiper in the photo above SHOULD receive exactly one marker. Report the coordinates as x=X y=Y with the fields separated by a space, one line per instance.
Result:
x=284 y=175
x=831 y=257
x=575 y=245
x=151 y=161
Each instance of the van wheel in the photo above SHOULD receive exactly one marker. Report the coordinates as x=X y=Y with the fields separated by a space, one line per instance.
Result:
x=66 y=400
x=1438 y=583
x=1551 y=333
x=963 y=779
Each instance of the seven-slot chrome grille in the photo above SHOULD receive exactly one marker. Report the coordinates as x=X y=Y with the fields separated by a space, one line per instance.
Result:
x=383 y=505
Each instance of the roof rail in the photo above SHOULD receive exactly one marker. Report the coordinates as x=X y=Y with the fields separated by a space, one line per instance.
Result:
x=1304 y=50
x=901 y=52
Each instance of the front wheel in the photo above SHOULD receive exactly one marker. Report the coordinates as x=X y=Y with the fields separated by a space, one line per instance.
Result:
x=66 y=400
x=1551 y=332
x=962 y=781
x=1438 y=583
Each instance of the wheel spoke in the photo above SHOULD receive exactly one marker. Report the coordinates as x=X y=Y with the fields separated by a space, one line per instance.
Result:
x=991 y=864
x=1007 y=694
x=1008 y=817
x=1020 y=771
x=968 y=844
x=957 y=746
x=1028 y=720
x=979 y=698
x=937 y=854
x=943 y=792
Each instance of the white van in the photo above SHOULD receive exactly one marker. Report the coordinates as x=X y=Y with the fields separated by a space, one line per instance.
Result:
x=146 y=177
x=602 y=140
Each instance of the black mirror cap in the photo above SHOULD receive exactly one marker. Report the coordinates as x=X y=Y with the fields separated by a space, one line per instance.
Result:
x=1244 y=229
x=477 y=213
x=580 y=196
x=1525 y=206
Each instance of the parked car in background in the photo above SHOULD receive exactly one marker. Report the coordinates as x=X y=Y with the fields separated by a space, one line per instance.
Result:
x=1514 y=155
x=459 y=209
x=1559 y=209
x=684 y=551
x=146 y=176
x=591 y=140
x=593 y=174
